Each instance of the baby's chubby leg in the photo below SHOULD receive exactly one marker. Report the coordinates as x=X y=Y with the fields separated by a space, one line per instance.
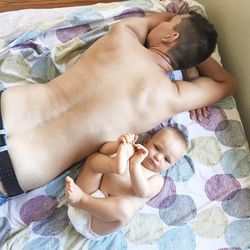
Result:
x=118 y=161
x=125 y=151
x=121 y=211
x=108 y=214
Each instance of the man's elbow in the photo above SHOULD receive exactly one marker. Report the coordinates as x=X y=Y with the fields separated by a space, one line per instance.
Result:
x=233 y=85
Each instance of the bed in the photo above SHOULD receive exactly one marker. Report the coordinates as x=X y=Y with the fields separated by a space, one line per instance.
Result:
x=205 y=201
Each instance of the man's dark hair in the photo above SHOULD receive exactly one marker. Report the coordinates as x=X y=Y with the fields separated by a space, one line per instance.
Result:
x=196 y=42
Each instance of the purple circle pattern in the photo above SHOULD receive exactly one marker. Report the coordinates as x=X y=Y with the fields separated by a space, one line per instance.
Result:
x=218 y=187
x=215 y=117
x=168 y=189
x=37 y=208
x=130 y=12
x=65 y=35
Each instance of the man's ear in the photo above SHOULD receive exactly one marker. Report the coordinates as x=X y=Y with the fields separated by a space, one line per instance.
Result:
x=170 y=37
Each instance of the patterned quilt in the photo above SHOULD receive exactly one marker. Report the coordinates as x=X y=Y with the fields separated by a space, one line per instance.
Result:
x=205 y=201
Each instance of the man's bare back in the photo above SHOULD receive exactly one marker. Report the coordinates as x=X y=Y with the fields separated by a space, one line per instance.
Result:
x=57 y=121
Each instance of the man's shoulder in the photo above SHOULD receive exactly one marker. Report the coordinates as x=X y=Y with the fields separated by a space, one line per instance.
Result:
x=122 y=31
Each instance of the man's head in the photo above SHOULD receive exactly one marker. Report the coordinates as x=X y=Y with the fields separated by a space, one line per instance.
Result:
x=165 y=148
x=196 y=42
x=186 y=40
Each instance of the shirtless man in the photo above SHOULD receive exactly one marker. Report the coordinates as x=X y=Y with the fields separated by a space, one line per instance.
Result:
x=113 y=89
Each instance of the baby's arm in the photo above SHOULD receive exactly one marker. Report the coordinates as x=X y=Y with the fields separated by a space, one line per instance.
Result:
x=142 y=186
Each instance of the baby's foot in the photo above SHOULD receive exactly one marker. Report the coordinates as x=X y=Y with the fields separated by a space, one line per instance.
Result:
x=124 y=152
x=73 y=193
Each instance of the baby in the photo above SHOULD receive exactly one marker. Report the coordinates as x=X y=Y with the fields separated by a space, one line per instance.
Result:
x=127 y=175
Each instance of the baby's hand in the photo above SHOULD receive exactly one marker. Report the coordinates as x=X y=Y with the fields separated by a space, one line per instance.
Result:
x=128 y=138
x=140 y=154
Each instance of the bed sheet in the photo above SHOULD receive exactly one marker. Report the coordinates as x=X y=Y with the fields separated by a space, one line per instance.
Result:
x=205 y=201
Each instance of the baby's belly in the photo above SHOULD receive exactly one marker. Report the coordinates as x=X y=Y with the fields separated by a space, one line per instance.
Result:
x=117 y=185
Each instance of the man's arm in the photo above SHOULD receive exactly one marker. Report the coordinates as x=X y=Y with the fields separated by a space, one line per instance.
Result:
x=201 y=113
x=213 y=85
x=141 y=26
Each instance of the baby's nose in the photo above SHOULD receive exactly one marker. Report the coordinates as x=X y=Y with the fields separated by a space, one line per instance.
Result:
x=157 y=157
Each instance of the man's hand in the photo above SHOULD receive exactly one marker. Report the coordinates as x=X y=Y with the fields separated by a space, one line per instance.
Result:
x=199 y=114
x=190 y=74
x=178 y=6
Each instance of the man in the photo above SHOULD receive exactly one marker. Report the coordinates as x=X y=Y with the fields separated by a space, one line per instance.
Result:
x=113 y=89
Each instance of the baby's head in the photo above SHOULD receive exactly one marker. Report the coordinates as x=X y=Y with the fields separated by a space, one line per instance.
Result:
x=165 y=148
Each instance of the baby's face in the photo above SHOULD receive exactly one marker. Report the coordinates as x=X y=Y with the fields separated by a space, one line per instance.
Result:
x=164 y=150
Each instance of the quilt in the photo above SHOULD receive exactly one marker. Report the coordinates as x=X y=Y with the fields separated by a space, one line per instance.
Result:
x=205 y=201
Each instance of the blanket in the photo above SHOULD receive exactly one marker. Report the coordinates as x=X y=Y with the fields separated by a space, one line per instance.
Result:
x=205 y=201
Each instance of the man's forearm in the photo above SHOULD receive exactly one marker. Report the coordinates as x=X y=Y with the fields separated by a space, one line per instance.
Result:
x=210 y=68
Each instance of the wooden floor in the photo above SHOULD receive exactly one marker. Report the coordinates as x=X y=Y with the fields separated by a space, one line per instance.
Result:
x=7 y=5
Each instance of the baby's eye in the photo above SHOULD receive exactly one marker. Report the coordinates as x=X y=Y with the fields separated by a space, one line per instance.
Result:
x=166 y=159
x=156 y=147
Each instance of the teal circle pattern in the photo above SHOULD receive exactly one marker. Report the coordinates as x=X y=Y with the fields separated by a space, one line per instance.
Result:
x=44 y=70
x=177 y=211
x=182 y=170
x=237 y=234
x=112 y=242
x=232 y=136
x=53 y=225
x=43 y=244
x=178 y=239
x=5 y=229
x=84 y=15
x=236 y=162
x=237 y=204
x=227 y=103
